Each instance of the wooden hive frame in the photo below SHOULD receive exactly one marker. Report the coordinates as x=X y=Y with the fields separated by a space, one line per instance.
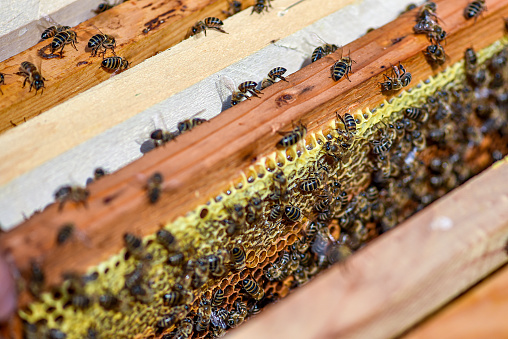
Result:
x=292 y=102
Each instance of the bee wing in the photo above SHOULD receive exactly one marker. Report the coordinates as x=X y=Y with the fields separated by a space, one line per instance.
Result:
x=320 y=244
x=48 y=20
x=224 y=90
x=217 y=321
x=318 y=39
x=198 y=113
x=228 y=82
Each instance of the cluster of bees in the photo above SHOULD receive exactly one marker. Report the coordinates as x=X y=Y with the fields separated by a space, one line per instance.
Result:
x=355 y=188
x=427 y=23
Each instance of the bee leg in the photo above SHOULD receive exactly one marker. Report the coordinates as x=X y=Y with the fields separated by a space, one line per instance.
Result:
x=24 y=82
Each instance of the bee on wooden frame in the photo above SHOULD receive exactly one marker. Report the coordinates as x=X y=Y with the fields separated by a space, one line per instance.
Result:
x=261 y=5
x=114 y=63
x=249 y=87
x=74 y=193
x=68 y=37
x=401 y=78
x=103 y=41
x=323 y=50
x=187 y=125
x=51 y=28
x=273 y=75
x=474 y=9
x=293 y=137
x=2 y=80
x=435 y=54
x=234 y=7
x=236 y=95
x=342 y=68
x=208 y=23
x=32 y=75
x=104 y=6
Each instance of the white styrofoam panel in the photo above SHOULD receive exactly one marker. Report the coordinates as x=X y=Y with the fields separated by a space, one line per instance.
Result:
x=120 y=145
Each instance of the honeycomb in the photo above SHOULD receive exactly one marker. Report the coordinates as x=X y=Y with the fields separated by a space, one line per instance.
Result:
x=358 y=186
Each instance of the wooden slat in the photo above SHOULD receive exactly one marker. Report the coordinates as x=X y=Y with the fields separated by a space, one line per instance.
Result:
x=407 y=273
x=77 y=71
x=479 y=313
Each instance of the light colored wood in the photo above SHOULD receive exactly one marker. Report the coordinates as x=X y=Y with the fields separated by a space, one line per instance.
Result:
x=201 y=164
x=77 y=71
x=120 y=145
x=404 y=274
x=479 y=313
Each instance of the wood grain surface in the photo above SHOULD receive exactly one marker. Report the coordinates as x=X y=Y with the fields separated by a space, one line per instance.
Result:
x=407 y=273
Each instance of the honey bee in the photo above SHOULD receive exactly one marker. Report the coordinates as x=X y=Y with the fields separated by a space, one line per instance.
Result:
x=293 y=137
x=234 y=7
x=67 y=37
x=382 y=146
x=292 y=213
x=109 y=302
x=276 y=73
x=184 y=330
x=238 y=257
x=81 y=301
x=154 y=187
x=166 y=239
x=322 y=50
x=342 y=68
x=236 y=96
x=474 y=9
x=32 y=75
x=436 y=34
x=309 y=185
x=36 y=280
x=103 y=7
x=187 y=125
x=101 y=40
x=175 y=259
x=54 y=333
x=372 y=194
x=176 y=314
x=210 y=23
x=2 y=80
x=253 y=289
x=219 y=317
x=217 y=262
x=218 y=298
x=273 y=272
x=428 y=10
x=249 y=87
x=253 y=209
x=64 y=233
x=401 y=79
x=178 y=297
x=416 y=114
x=261 y=5
x=349 y=123
x=53 y=30
x=135 y=247
x=115 y=63
x=436 y=54
x=201 y=269
x=71 y=193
